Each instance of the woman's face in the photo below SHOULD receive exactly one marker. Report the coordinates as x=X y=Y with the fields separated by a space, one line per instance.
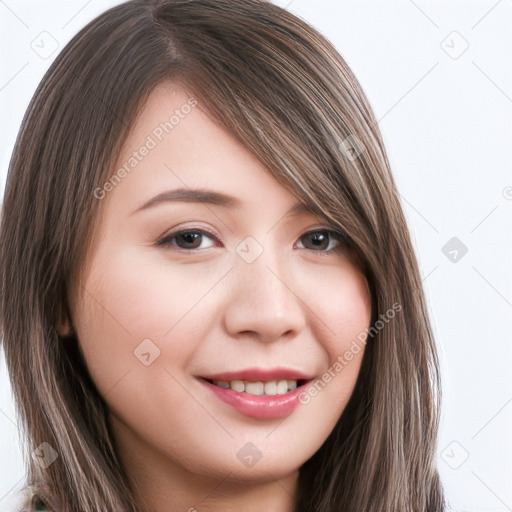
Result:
x=243 y=296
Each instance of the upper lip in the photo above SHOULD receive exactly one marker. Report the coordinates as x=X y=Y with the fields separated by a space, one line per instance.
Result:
x=260 y=374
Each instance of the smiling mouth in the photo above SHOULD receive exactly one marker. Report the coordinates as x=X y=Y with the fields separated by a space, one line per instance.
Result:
x=260 y=393
x=259 y=388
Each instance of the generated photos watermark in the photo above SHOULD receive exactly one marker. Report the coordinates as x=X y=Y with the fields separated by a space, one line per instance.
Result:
x=157 y=135
x=344 y=359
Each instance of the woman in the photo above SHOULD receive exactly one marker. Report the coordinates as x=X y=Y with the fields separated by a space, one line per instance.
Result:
x=286 y=362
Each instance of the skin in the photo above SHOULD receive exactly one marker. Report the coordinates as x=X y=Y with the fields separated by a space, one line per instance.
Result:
x=210 y=311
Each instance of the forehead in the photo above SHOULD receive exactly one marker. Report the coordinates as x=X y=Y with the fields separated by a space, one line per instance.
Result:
x=174 y=144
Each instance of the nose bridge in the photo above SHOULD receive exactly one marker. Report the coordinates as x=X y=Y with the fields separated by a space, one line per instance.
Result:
x=263 y=301
x=266 y=281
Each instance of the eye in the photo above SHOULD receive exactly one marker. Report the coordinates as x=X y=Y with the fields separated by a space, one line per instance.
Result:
x=187 y=240
x=323 y=240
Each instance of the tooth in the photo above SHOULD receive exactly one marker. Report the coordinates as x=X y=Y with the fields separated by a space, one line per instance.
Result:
x=282 y=387
x=237 y=385
x=271 y=388
x=254 y=388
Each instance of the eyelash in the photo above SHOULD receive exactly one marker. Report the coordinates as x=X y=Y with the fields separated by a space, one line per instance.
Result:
x=166 y=240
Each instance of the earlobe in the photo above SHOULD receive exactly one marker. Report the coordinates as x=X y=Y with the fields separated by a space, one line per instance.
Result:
x=63 y=325
x=64 y=329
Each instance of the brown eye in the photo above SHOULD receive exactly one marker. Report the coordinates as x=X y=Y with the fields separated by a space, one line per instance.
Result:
x=185 y=240
x=189 y=240
x=322 y=240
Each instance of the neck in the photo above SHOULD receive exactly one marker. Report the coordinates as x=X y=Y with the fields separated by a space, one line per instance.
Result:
x=216 y=495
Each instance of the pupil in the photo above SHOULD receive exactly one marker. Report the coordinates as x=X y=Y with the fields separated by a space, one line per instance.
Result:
x=319 y=238
x=190 y=238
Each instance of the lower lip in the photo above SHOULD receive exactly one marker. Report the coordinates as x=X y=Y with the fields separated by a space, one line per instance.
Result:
x=258 y=406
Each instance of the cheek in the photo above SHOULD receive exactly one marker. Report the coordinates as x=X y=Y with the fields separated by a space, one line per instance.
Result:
x=343 y=311
x=138 y=330
x=340 y=301
x=135 y=315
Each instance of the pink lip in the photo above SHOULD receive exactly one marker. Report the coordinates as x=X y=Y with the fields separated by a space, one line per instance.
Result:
x=259 y=406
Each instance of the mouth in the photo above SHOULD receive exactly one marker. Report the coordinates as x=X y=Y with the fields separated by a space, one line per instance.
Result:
x=262 y=394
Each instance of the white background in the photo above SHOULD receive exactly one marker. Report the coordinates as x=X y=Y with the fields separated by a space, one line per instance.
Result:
x=446 y=119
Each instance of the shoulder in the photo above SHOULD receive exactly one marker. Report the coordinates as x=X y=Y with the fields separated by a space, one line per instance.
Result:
x=34 y=499
x=37 y=503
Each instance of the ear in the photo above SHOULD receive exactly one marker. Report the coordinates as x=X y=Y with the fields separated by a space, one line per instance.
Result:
x=63 y=326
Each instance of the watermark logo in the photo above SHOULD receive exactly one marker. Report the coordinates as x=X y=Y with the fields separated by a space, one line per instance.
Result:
x=44 y=455
x=352 y=147
x=249 y=455
x=454 y=249
x=44 y=45
x=146 y=352
x=454 y=45
x=455 y=455
x=249 y=249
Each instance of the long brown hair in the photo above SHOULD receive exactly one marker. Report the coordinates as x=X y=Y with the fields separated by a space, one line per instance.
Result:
x=287 y=95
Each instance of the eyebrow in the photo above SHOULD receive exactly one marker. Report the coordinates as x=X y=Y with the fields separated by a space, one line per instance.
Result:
x=208 y=197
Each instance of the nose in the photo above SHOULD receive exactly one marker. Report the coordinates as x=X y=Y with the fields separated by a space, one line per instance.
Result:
x=264 y=303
